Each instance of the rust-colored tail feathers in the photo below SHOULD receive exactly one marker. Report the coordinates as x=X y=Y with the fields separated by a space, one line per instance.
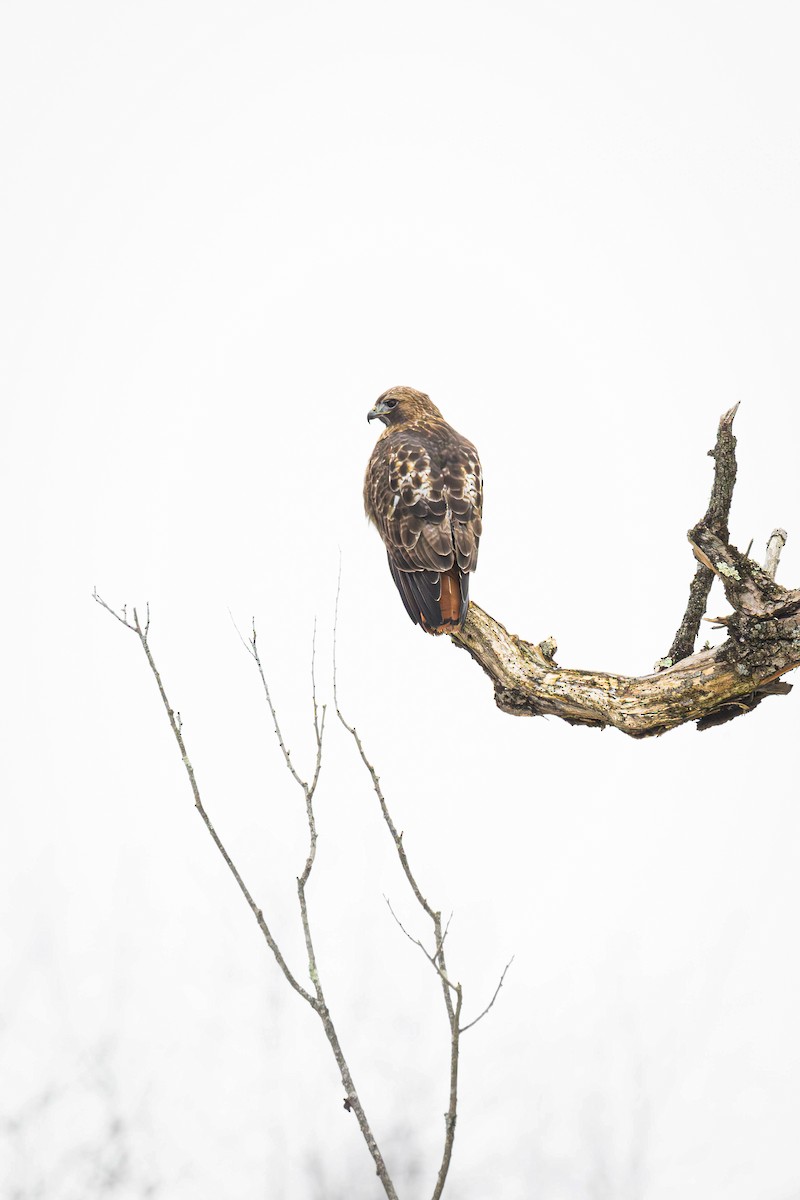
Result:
x=436 y=602
x=450 y=599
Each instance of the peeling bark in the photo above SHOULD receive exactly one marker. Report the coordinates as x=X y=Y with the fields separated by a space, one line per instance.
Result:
x=708 y=687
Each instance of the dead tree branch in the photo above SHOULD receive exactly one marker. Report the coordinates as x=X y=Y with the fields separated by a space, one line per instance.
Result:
x=716 y=519
x=452 y=993
x=775 y=546
x=481 y=1015
x=141 y=632
x=317 y=1000
x=437 y=958
x=708 y=687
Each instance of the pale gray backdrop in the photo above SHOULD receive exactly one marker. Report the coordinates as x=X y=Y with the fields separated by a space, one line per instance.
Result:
x=226 y=228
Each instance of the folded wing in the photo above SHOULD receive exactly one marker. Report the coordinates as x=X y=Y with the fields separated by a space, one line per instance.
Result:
x=423 y=490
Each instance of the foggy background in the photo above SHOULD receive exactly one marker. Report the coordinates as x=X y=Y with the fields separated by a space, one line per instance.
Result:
x=225 y=230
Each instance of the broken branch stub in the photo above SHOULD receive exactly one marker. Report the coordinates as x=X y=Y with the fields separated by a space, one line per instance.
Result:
x=708 y=687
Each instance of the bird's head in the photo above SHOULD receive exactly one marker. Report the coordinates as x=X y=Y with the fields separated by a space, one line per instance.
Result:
x=402 y=404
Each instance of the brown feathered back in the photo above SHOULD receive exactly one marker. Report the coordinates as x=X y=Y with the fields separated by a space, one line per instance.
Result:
x=423 y=490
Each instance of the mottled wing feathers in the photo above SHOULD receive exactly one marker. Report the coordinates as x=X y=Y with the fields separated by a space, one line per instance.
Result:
x=423 y=490
x=419 y=591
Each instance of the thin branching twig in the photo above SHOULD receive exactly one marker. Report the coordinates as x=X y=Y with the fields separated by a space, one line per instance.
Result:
x=452 y=992
x=416 y=942
x=480 y=1016
x=141 y=632
x=317 y=1001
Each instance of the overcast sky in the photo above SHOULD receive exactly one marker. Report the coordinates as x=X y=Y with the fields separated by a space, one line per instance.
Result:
x=225 y=230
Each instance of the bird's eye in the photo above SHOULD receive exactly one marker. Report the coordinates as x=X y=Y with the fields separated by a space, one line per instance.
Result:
x=390 y=403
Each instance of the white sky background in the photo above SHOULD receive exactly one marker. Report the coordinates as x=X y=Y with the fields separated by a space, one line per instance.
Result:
x=225 y=230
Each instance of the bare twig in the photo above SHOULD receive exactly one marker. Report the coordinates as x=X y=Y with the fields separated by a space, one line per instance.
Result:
x=432 y=958
x=317 y=1001
x=716 y=518
x=251 y=645
x=142 y=634
x=352 y=1100
x=452 y=992
x=121 y=616
x=777 y=541
x=453 y=1009
x=480 y=1016
x=319 y=725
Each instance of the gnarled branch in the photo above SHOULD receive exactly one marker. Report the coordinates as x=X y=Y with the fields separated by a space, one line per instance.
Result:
x=709 y=687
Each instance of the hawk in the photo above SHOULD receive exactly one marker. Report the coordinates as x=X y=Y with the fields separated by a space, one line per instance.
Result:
x=423 y=491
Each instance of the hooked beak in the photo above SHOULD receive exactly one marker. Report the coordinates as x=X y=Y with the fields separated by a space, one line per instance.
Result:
x=380 y=412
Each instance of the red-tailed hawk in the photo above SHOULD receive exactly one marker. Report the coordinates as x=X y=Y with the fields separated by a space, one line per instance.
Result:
x=424 y=492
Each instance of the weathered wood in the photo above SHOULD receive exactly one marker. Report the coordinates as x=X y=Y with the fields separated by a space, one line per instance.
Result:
x=774 y=547
x=715 y=520
x=708 y=687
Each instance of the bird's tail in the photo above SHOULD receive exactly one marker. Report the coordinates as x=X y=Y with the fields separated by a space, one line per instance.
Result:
x=450 y=604
x=437 y=602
